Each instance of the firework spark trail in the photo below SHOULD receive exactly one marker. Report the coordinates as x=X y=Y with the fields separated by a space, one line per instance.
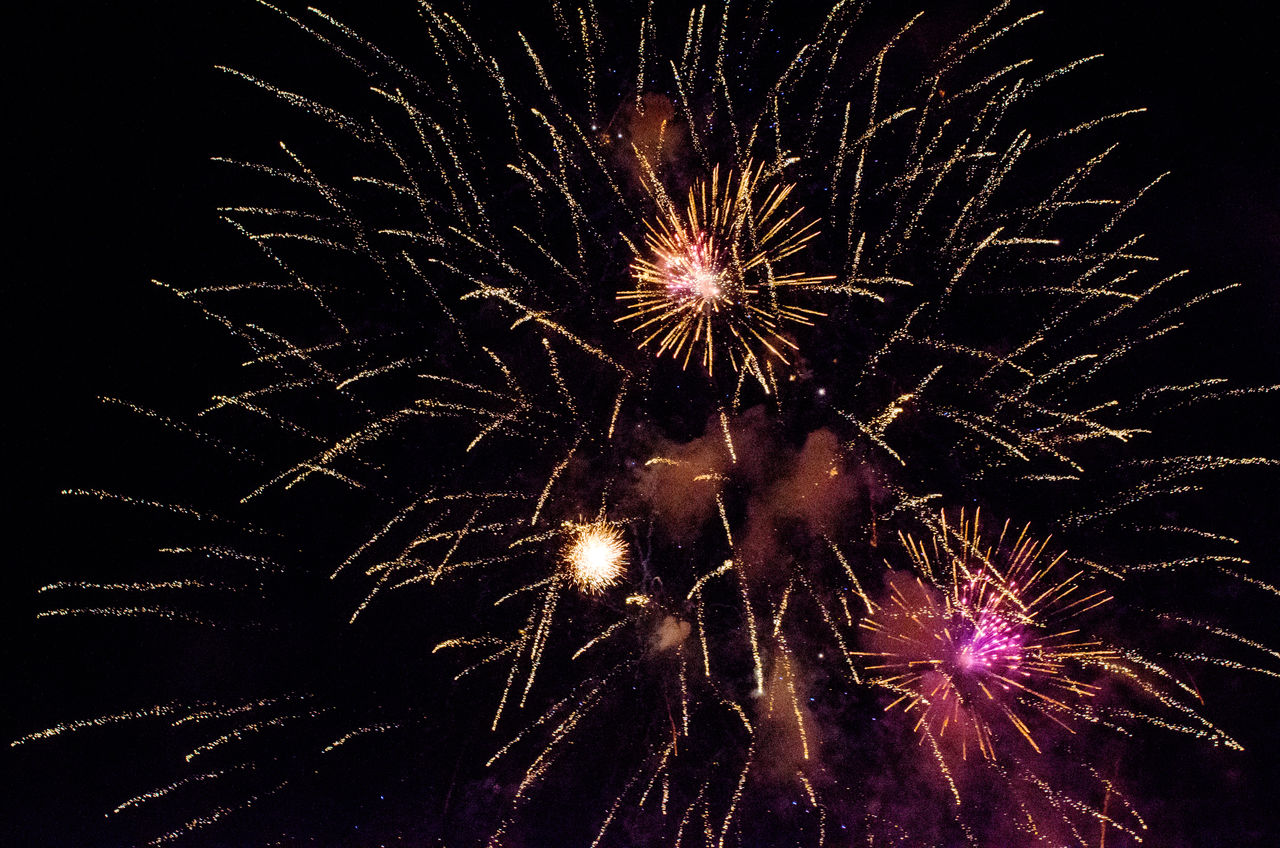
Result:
x=176 y=785
x=495 y=228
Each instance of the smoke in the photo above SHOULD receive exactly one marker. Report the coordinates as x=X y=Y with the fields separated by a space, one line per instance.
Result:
x=680 y=482
x=671 y=631
x=810 y=497
x=650 y=130
x=784 y=497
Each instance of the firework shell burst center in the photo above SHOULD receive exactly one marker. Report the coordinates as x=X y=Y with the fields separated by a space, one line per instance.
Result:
x=894 y=280
x=987 y=643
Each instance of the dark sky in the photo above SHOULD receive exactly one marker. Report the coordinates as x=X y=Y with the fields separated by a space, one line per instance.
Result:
x=117 y=108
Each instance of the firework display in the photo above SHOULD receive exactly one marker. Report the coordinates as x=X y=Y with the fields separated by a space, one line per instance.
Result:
x=679 y=425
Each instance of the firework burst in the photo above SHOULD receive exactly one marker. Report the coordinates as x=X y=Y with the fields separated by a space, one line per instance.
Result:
x=993 y=641
x=595 y=555
x=707 y=281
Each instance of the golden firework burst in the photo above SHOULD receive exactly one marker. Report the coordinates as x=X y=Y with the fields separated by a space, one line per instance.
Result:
x=708 y=281
x=595 y=555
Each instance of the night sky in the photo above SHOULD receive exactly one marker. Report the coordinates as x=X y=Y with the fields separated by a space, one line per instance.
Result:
x=119 y=109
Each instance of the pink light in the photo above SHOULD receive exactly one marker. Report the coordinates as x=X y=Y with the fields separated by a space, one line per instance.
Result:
x=693 y=273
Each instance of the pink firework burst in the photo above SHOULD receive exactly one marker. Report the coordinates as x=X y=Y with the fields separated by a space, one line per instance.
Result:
x=980 y=639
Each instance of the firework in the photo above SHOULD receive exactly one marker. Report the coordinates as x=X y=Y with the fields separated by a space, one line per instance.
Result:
x=695 y=290
x=595 y=556
x=994 y=641
x=441 y=372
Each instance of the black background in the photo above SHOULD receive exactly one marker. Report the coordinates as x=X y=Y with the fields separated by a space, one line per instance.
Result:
x=117 y=109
